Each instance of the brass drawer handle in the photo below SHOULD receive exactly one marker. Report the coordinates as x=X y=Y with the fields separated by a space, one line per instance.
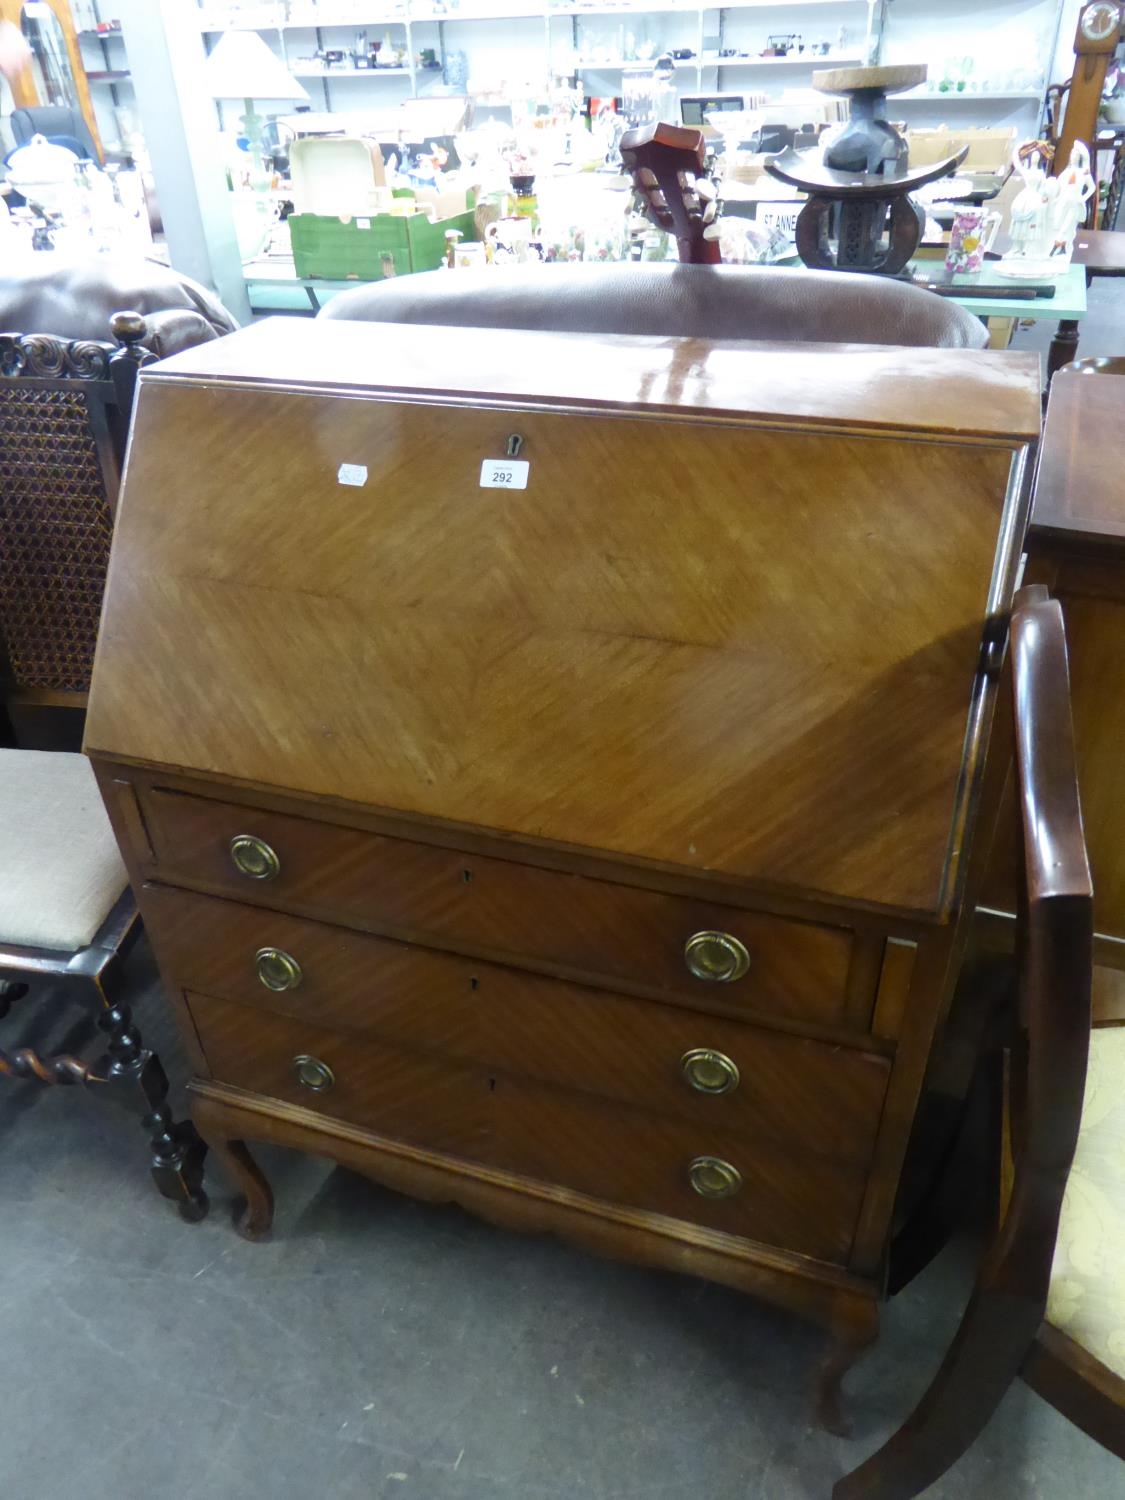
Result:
x=711 y=1177
x=277 y=969
x=254 y=858
x=313 y=1074
x=710 y=1072
x=716 y=956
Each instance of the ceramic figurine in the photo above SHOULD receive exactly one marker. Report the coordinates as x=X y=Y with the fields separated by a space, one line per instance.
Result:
x=1030 y=229
x=1075 y=187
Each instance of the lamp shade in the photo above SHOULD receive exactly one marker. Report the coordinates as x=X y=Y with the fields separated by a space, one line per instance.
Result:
x=242 y=66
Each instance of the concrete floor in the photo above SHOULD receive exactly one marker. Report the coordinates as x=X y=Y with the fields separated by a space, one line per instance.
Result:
x=378 y=1349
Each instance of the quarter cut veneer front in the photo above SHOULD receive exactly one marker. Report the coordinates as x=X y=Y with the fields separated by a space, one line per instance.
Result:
x=443 y=896
x=790 y=1089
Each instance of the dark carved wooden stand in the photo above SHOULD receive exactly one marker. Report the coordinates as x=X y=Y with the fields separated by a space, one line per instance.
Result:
x=860 y=216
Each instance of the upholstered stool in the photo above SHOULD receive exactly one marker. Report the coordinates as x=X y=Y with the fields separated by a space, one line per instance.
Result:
x=67 y=918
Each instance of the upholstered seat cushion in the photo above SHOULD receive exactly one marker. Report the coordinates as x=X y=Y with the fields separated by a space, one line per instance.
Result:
x=60 y=871
x=1087 y=1298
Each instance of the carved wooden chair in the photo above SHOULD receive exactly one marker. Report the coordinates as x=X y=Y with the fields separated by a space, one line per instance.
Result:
x=67 y=921
x=1049 y=1301
x=67 y=916
x=64 y=415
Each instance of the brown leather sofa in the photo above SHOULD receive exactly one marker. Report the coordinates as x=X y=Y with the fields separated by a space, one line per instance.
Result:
x=76 y=299
x=716 y=302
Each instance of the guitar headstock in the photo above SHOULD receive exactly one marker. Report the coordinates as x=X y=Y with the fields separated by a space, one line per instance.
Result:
x=668 y=165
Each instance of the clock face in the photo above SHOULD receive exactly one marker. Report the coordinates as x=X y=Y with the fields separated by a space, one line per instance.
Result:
x=1100 y=20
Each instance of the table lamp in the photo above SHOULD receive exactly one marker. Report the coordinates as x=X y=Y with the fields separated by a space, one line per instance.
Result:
x=242 y=66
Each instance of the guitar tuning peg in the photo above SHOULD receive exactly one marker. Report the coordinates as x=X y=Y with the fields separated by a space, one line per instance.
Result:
x=706 y=189
x=711 y=212
x=712 y=232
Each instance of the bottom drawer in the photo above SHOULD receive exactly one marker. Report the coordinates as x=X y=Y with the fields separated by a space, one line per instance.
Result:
x=623 y=1155
x=796 y=1202
x=414 y=1098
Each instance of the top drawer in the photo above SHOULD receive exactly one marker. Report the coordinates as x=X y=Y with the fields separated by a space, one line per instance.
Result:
x=595 y=928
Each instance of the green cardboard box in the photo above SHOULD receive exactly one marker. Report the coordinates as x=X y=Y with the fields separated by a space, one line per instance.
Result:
x=371 y=248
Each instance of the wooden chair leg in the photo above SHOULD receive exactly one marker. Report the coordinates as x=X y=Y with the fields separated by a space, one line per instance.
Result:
x=61 y=1070
x=10 y=992
x=177 y=1151
x=984 y=1358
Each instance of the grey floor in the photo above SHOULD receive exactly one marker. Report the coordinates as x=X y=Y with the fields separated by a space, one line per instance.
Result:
x=378 y=1349
x=1102 y=331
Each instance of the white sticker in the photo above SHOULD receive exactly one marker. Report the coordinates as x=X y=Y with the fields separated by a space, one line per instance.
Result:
x=504 y=474
x=351 y=474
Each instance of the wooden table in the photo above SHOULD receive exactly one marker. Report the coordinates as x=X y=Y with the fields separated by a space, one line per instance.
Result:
x=1097 y=252
x=1001 y=315
x=1076 y=545
x=273 y=286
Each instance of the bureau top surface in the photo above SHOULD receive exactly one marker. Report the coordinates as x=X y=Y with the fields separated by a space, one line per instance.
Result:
x=956 y=391
x=741 y=647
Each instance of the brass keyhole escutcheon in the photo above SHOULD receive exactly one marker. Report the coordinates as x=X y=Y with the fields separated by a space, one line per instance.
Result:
x=711 y=1177
x=709 y=1072
x=716 y=956
x=254 y=858
x=313 y=1074
x=277 y=969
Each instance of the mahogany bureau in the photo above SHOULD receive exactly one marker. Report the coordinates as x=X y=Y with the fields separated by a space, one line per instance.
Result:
x=554 y=773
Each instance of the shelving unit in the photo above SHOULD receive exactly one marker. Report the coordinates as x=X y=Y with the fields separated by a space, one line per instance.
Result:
x=107 y=71
x=1006 y=46
x=519 y=48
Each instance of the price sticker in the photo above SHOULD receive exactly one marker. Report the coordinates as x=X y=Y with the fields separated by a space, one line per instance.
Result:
x=504 y=474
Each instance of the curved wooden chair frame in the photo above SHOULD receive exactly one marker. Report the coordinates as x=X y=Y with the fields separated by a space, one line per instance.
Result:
x=1003 y=1333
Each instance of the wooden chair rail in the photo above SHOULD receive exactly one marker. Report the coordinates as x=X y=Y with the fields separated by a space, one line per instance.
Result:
x=1009 y=1301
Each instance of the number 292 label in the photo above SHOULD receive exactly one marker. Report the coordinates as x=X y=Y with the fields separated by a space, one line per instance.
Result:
x=504 y=474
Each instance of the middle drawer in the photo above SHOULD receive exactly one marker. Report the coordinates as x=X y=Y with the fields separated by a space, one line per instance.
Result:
x=598 y=929
x=701 y=1068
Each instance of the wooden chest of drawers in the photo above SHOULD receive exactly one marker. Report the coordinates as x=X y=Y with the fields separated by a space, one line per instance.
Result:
x=594 y=853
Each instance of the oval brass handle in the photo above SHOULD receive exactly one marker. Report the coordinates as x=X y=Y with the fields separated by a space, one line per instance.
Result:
x=710 y=1072
x=711 y=1177
x=254 y=858
x=277 y=969
x=313 y=1074
x=716 y=956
